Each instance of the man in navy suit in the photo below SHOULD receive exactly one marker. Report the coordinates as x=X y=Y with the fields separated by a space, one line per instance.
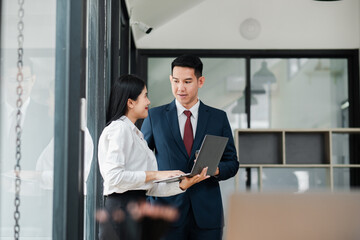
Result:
x=200 y=207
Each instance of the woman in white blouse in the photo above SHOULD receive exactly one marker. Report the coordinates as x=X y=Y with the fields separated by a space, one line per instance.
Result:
x=127 y=165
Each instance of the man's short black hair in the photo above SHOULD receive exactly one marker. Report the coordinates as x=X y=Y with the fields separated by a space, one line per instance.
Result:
x=190 y=61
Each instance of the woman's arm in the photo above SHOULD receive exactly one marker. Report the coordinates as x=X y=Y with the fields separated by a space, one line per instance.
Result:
x=157 y=175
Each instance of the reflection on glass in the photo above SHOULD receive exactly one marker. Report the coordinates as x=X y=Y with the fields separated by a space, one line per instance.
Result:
x=37 y=132
x=345 y=113
x=341 y=179
x=340 y=148
x=36 y=119
x=310 y=96
x=261 y=87
x=254 y=181
x=297 y=180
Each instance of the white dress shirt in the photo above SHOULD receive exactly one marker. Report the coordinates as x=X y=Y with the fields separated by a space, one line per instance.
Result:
x=124 y=156
x=182 y=117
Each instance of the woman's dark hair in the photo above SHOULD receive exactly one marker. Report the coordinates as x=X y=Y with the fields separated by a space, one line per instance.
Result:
x=190 y=61
x=125 y=87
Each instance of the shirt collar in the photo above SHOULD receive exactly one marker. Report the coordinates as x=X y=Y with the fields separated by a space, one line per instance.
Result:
x=127 y=120
x=132 y=126
x=194 y=109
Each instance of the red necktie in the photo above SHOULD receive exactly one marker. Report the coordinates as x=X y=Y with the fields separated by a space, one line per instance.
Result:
x=188 y=133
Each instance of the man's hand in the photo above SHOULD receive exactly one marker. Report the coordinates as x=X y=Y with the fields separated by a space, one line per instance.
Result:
x=187 y=182
x=217 y=172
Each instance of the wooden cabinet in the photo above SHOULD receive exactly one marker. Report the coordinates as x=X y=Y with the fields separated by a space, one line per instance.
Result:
x=322 y=150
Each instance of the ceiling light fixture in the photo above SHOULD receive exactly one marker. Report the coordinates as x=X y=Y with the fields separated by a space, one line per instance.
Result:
x=240 y=104
x=264 y=75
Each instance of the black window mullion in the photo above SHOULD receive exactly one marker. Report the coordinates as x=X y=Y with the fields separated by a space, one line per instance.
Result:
x=68 y=203
x=97 y=32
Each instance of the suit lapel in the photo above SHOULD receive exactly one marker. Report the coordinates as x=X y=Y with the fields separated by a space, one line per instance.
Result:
x=172 y=117
x=203 y=117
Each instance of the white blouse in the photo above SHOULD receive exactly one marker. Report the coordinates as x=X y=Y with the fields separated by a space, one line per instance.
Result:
x=124 y=156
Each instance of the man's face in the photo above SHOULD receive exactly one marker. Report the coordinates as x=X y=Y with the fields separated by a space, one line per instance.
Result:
x=185 y=85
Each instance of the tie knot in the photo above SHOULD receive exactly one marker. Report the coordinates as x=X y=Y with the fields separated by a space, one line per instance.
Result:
x=187 y=113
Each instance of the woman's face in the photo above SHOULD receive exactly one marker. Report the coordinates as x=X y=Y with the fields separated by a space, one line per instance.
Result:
x=140 y=107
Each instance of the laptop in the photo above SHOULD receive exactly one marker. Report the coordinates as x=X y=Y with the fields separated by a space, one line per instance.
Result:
x=209 y=155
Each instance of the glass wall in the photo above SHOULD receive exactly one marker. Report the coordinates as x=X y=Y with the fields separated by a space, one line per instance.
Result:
x=36 y=122
x=286 y=93
x=307 y=94
x=299 y=93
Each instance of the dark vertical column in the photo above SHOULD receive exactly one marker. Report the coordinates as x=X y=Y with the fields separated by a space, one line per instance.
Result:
x=132 y=56
x=96 y=109
x=247 y=110
x=115 y=39
x=68 y=203
x=248 y=90
x=354 y=88
x=141 y=65
x=354 y=118
x=124 y=39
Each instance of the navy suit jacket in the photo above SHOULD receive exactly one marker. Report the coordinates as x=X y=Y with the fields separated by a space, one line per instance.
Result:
x=161 y=131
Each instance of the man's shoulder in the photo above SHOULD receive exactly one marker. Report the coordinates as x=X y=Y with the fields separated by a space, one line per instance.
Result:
x=213 y=109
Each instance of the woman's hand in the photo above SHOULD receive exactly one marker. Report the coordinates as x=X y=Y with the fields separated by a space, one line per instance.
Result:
x=157 y=175
x=167 y=174
x=187 y=182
